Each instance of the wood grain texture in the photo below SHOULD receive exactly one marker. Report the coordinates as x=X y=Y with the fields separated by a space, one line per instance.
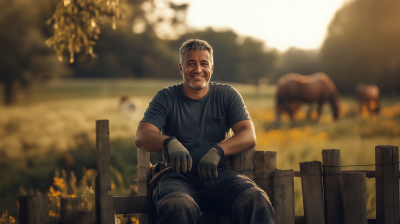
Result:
x=283 y=197
x=265 y=164
x=332 y=186
x=354 y=198
x=311 y=183
x=33 y=209
x=387 y=184
x=143 y=180
x=104 y=206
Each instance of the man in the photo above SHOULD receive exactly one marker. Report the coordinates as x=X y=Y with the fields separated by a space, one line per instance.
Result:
x=194 y=118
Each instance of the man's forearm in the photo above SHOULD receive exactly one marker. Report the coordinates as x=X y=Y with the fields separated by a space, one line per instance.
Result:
x=150 y=140
x=239 y=143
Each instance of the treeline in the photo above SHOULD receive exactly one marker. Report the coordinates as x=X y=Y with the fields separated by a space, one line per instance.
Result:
x=361 y=46
x=126 y=54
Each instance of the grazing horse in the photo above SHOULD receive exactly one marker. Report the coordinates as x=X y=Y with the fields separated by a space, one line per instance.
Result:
x=293 y=88
x=368 y=95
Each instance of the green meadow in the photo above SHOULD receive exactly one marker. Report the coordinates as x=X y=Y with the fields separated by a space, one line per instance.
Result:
x=51 y=130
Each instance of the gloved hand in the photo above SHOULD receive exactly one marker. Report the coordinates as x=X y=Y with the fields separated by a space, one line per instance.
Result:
x=207 y=168
x=180 y=158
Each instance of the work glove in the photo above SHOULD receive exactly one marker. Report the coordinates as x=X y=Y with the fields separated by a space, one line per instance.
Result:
x=207 y=168
x=180 y=158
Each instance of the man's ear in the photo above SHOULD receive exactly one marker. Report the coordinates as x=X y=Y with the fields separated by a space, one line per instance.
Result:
x=180 y=68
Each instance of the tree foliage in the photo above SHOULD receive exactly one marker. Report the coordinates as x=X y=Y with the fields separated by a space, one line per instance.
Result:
x=76 y=24
x=24 y=58
x=297 y=60
x=363 y=45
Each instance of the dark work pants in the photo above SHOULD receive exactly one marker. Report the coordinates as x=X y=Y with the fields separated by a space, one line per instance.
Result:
x=179 y=198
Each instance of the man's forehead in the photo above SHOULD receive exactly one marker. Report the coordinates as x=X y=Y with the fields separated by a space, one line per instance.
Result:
x=193 y=54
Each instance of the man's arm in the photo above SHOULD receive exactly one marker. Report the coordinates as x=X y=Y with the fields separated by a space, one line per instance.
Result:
x=243 y=139
x=149 y=138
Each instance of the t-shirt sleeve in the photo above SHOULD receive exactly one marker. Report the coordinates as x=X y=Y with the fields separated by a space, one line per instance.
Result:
x=237 y=110
x=157 y=112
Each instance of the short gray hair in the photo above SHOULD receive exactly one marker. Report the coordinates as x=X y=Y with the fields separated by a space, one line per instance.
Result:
x=195 y=44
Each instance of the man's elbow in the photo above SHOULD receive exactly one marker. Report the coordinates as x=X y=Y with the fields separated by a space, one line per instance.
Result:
x=138 y=140
x=253 y=142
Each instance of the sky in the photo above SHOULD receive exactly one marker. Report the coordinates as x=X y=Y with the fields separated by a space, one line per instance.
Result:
x=280 y=23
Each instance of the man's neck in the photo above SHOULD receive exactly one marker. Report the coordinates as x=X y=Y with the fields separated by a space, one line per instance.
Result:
x=195 y=94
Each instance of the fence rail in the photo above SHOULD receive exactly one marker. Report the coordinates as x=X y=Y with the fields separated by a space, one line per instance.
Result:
x=330 y=195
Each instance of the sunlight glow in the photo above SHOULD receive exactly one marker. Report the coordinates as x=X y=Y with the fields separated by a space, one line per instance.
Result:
x=282 y=24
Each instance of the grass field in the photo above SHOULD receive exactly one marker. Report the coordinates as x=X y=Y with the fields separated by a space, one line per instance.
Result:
x=53 y=127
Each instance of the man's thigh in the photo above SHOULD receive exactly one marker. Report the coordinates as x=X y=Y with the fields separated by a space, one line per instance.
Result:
x=221 y=195
x=173 y=183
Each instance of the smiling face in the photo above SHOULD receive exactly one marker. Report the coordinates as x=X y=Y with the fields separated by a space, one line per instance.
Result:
x=196 y=69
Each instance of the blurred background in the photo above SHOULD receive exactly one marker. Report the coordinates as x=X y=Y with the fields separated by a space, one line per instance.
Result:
x=66 y=63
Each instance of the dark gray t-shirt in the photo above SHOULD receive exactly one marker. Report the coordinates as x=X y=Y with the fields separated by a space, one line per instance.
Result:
x=197 y=124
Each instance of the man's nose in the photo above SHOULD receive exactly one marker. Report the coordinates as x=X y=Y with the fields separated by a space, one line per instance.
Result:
x=198 y=69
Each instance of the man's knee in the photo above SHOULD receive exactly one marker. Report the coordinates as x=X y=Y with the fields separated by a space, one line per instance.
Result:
x=253 y=206
x=177 y=206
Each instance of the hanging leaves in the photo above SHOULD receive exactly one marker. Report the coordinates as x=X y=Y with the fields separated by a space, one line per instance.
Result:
x=77 y=23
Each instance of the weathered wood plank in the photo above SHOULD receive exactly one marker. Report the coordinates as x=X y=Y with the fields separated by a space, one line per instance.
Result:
x=332 y=186
x=33 y=209
x=354 y=198
x=311 y=183
x=143 y=180
x=387 y=184
x=68 y=209
x=368 y=173
x=265 y=164
x=243 y=163
x=129 y=205
x=104 y=210
x=283 y=197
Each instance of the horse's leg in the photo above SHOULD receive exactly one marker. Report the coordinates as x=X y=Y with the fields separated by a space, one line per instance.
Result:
x=319 y=110
x=310 y=109
x=289 y=110
x=278 y=116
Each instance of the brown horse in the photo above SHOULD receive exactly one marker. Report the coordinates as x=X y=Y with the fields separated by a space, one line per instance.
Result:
x=293 y=88
x=368 y=96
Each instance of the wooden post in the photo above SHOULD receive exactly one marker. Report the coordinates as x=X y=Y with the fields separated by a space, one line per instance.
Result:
x=143 y=180
x=104 y=203
x=387 y=184
x=34 y=209
x=311 y=183
x=332 y=186
x=243 y=163
x=265 y=164
x=68 y=209
x=283 y=197
x=82 y=217
x=354 y=198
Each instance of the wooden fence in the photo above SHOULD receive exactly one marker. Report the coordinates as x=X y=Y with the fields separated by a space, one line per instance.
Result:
x=330 y=195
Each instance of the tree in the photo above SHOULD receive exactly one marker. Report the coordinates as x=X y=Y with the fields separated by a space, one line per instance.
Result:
x=77 y=23
x=236 y=58
x=297 y=60
x=363 y=45
x=24 y=58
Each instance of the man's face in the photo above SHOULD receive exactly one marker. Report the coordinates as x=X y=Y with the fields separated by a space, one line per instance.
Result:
x=196 y=68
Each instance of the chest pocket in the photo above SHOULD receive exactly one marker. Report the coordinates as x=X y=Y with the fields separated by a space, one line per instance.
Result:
x=216 y=128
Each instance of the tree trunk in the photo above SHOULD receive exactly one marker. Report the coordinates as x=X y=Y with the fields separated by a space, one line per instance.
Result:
x=9 y=92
